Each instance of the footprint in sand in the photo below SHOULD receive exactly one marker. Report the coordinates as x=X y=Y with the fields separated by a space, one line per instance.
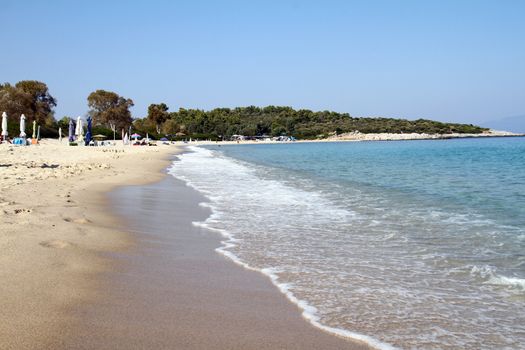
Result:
x=56 y=243
x=81 y=221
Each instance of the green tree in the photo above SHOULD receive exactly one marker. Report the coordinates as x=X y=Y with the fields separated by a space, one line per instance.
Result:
x=14 y=102
x=110 y=110
x=275 y=120
x=42 y=103
x=158 y=114
x=29 y=97
x=143 y=126
x=170 y=127
x=64 y=124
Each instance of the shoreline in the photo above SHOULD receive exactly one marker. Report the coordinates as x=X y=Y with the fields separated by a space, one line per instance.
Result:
x=307 y=311
x=65 y=245
x=359 y=137
x=175 y=291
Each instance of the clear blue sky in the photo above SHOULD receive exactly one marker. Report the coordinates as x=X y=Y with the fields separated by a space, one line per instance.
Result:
x=446 y=60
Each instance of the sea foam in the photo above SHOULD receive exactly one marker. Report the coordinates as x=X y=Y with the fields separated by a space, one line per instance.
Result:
x=309 y=312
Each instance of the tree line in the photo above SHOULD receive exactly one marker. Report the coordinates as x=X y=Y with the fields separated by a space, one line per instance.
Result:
x=278 y=121
x=110 y=113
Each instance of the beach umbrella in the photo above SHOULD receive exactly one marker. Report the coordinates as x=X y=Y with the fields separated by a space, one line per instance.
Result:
x=76 y=126
x=79 y=130
x=135 y=136
x=71 y=130
x=125 y=139
x=4 y=126
x=164 y=139
x=23 y=126
x=34 y=129
x=88 y=133
x=100 y=137
x=59 y=134
x=38 y=133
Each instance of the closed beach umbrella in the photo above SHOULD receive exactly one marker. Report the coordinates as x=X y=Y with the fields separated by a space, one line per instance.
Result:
x=4 y=125
x=88 y=133
x=34 y=129
x=76 y=127
x=60 y=134
x=38 y=133
x=71 y=130
x=80 y=129
x=23 y=126
x=125 y=139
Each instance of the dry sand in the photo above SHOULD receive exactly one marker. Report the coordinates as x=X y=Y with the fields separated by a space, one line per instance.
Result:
x=53 y=229
x=74 y=276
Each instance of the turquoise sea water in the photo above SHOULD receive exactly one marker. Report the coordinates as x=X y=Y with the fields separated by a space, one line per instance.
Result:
x=413 y=244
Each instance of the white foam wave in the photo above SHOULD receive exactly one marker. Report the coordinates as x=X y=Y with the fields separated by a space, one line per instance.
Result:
x=488 y=273
x=513 y=282
x=309 y=312
x=484 y=272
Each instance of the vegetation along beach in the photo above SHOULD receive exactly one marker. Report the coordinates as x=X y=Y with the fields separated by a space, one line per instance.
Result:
x=263 y=175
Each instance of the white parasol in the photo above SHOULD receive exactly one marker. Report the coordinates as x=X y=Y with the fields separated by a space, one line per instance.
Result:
x=23 y=126
x=4 y=125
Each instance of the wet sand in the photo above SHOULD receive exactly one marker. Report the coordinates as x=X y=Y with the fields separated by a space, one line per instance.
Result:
x=173 y=291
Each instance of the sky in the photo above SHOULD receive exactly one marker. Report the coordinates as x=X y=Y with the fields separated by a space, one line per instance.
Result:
x=457 y=61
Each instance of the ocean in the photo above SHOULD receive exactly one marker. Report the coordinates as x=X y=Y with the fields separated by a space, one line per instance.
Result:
x=410 y=245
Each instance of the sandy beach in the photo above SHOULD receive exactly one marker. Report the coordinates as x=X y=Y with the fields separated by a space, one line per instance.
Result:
x=243 y=175
x=55 y=227
x=72 y=270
